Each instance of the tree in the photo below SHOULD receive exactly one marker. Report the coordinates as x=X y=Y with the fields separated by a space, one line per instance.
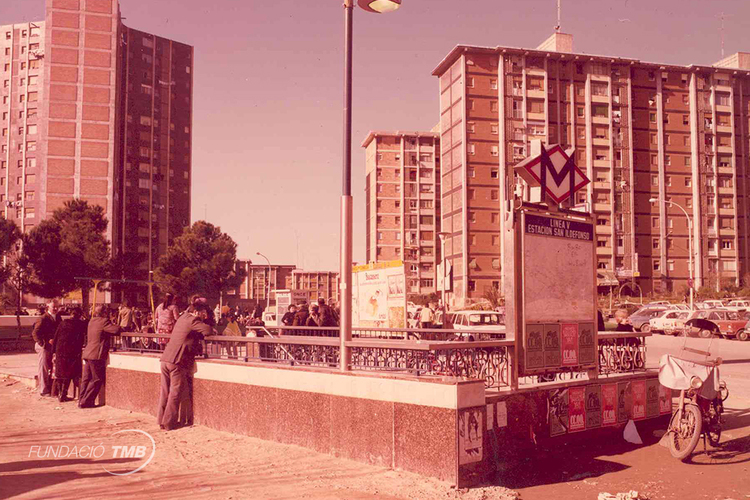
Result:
x=70 y=244
x=10 y=235
x=202 y=260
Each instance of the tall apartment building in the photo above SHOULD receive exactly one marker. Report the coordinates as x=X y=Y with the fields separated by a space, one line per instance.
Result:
x=92 y=109
x=640 y=130
x=403 y=204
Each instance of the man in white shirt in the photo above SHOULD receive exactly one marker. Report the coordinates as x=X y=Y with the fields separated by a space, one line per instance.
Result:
x=426 y=317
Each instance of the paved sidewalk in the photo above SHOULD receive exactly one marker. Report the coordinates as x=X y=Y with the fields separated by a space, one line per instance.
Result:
x=21 y=367
x=194 y=462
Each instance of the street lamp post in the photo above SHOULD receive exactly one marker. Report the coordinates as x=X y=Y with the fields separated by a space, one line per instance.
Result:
x=268 y=293
x=690 y=245
x=377 y=6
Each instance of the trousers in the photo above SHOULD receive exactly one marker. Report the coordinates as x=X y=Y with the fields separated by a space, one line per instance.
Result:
x=174 y=392
x=45 y=368
x=94 y=376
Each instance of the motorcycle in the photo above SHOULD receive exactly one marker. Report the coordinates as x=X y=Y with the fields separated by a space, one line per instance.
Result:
x=701 y=401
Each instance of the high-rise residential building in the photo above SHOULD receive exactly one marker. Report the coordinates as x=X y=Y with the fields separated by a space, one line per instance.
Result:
x=640 y=131
x=402 y=189
x=92 y=109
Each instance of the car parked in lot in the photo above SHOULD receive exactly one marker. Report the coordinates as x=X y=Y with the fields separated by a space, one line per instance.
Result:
x=722 y=322
x=738 y=305
x=643 y=315
x=477 y=325
x=669 y=322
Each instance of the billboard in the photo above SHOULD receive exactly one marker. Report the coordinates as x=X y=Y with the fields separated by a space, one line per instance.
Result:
x=378 y=295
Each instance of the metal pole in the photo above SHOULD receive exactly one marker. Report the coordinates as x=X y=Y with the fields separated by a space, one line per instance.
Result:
x=268 y=288
x=346 y=195
x=690 y=249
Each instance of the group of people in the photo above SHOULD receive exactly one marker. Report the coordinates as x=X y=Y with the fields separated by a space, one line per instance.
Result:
x=76 y=350
x=315 y=315
x=73 y=350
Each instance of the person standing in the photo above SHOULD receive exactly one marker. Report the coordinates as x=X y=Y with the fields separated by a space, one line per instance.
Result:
x=95 y=355
x=178 y=360
x=288 y=317
x=67 y=345
x=166 y=315
x=426 y=317
x=326 y=314
x=126 y=319
x=300 y=319
x=43 y=334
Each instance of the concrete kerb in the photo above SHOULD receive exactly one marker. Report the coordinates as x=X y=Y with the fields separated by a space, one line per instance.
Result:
x=30 y=382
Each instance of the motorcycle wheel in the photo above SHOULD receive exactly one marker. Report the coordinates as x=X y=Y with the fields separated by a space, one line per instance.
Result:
x=714 y=434
x=705 y=334
x=742 y=335
x=684 y=435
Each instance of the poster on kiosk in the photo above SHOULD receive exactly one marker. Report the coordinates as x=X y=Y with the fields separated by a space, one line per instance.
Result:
x=553 y=270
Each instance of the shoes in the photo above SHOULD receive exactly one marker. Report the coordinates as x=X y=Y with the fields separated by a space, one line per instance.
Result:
x=86 y=406
x=45 y=394
x=64 y=399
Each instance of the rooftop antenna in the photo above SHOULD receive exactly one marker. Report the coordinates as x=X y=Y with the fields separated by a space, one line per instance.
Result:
x=722 y=16
x=557 y=27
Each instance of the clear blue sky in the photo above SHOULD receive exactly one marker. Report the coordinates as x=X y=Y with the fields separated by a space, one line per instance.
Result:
x=269 y=80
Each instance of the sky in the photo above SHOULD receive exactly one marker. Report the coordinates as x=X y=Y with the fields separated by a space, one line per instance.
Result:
x=268 y=90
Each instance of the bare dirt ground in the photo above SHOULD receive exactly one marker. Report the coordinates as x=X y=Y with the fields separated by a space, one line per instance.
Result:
x=206 y=464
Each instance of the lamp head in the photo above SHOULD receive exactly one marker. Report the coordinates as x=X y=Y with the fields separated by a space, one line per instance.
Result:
x=379 y=6
x=653 y=200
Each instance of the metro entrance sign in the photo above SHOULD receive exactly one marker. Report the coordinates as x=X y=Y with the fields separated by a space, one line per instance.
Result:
x=554 y=170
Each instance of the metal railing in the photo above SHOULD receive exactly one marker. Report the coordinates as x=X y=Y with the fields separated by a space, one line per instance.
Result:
x=460 y=354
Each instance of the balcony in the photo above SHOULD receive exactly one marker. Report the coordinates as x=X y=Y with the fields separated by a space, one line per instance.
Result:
x=603 y=250
x=600 y=141
x=602 y=207
x=604 y=99
x=535 y=93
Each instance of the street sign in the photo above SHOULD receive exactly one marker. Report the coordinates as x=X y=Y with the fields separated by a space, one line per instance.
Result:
x=555 y=171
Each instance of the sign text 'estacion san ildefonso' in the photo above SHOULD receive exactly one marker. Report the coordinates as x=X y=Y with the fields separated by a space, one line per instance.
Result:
x=547 y=226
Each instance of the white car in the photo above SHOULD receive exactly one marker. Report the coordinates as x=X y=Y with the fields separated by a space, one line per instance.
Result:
x=738 y=305
x=669 y=322
x=711 y=304
x=486 y=325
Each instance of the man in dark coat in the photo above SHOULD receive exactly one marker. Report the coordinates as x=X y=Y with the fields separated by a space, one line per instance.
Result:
x=43 y=333
x=288 y=317
x=67 y=344
x=326 y=314
x=178 y=360
x=300 y=318
x=95 y=356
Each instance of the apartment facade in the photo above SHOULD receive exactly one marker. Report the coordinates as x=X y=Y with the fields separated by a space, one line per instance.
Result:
x=92 y=109
x=317 y=284
x=402 y=210
x=640 y=131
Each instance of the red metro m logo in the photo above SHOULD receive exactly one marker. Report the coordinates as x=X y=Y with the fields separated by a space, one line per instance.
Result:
x=555 y=171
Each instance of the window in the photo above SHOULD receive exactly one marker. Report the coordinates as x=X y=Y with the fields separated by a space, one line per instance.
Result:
x=657 y=265
x=495 y=129
x=471 y=194
x=29 y=195
x=651 y=76
x=33 y=96
x=470 y=82
x=600 y=110
x=493 y=106
x=470 y=172
x=31 y=162
x=494 y=150
x=579 y=111
x=494 y=194
x=471 y=149
x=655 y=244
x=493 y=84
x=667 y=159
x=652 y=117
x=654 y=180
x=494 y=173
x=495 y=218
x=146 y=89
x=470 y=127
x=686 y=161
x=655 y=222
x=31 y=146
x=654 y=139
x=145 y=120
x=472 y=217
x=496 y=263
x=30 y=178
x=31 y=129
x=472 y=286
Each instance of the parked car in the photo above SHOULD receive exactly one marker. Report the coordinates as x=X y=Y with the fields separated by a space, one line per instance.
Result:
x=669 y=322
x=643 y=315
x=722 y=322
x=711 y=304
x=738 y=305
x=478 y=325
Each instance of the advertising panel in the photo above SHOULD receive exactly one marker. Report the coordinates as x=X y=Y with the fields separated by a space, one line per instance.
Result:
x=609 y=404
x=576 y=409
x=665 y=400
x=557 y=291
x=593 y=406
x=638 y=388
x=378 y=295
x=557 y=401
